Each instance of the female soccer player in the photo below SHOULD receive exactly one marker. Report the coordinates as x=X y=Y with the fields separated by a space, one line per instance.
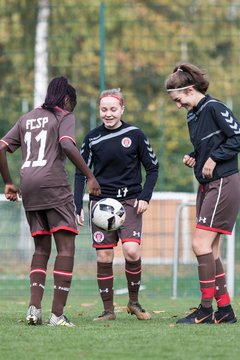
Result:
x=215 y=135
x=116 y=151
x=46 y=136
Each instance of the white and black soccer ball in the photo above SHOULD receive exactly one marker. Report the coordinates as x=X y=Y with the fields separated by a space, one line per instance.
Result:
x=108 y=214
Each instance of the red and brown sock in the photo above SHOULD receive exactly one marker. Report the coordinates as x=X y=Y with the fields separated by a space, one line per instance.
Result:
x=105 y=284
x=37 y=279
x=206 y=273
x=133 y=272
x=62 y=275
x=221 y=295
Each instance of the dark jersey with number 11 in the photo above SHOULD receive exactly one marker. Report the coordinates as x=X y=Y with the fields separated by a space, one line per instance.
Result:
x=44 y=180
x=116 y=157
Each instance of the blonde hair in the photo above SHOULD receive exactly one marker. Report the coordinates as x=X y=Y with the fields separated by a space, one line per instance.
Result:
x=116 y=93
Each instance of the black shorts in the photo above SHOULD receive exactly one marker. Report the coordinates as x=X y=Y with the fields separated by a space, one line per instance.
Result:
x=46 y=222
x=218 y=203
x=131 y=230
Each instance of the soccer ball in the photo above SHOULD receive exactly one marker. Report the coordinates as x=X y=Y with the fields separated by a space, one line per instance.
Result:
x=108 y=214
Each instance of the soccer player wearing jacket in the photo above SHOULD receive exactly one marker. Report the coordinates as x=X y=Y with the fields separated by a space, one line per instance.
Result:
x=215 y=135
x=117 y=151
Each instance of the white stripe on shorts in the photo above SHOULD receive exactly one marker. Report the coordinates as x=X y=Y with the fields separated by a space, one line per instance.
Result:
x=215 y=208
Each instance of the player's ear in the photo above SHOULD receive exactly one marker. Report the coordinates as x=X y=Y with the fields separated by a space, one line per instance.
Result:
x=190 y=90
x=67 y=104
x=66 y=101
x=123 y=108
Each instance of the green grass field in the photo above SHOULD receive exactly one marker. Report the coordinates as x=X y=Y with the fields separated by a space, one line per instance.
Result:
x=122 y=339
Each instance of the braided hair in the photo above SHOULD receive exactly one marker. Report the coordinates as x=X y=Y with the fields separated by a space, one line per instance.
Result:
x=57 y=91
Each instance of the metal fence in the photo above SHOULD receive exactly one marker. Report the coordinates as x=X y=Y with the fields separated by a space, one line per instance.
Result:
x=169 y=265
x=132 y=45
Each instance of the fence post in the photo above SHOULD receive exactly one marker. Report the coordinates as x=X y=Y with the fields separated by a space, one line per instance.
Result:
x=176 y=246
x=231 y=262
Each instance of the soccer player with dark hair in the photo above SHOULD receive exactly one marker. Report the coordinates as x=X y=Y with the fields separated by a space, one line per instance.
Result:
x=46 y=135
x=117 y=151
x=215 y=135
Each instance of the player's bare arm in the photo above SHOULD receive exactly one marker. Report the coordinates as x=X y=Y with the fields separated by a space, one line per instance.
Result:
x=73 y=154
x=11 y=191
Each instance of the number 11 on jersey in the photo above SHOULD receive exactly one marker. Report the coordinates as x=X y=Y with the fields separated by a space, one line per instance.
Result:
x=41 y=138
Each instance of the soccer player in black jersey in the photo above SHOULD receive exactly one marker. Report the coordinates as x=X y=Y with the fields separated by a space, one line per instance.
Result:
x=215 y=135
x=116 y=151
x=46 y=135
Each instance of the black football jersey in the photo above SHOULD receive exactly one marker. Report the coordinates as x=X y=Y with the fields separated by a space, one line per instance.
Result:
x=214 y=132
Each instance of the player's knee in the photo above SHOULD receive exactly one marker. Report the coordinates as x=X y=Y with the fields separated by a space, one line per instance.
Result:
x=131 y=255
x=68 y=251
x=105 y=256
x=199 y=248
x=43 y=252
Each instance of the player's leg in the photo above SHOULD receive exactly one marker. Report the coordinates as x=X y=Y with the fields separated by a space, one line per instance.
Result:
x=202 y=247
x=104 y=243
x=225 y=311
x=131 y=233
x=62 y=274
x=226 y=214
x=105 y=282
x=42 y=241
x=133 y=271
x=39 y=268
x=216 y=213
x=133 y=268
x=62 y=222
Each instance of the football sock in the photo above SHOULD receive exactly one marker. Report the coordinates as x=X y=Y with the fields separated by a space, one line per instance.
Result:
x=105 y=284
x=206 y=273
x=37 y=279
x=133 y=274
x=62 y=275
x=221 y=295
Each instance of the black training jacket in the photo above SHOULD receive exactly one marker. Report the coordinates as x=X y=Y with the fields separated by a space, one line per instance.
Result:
x=214 y=132
x=116 y=157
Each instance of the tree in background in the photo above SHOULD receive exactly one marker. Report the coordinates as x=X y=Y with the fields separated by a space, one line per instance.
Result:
x=143 y=41
x=41 y=52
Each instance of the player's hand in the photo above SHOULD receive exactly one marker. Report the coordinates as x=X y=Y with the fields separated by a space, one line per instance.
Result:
x=141 y=206
x=207 y=170
x=94 y=187
x=12 y=192
x=80 y=218
x=189 y=161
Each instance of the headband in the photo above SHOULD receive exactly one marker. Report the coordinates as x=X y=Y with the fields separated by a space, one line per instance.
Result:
x=114 y=96
x=182 y=88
